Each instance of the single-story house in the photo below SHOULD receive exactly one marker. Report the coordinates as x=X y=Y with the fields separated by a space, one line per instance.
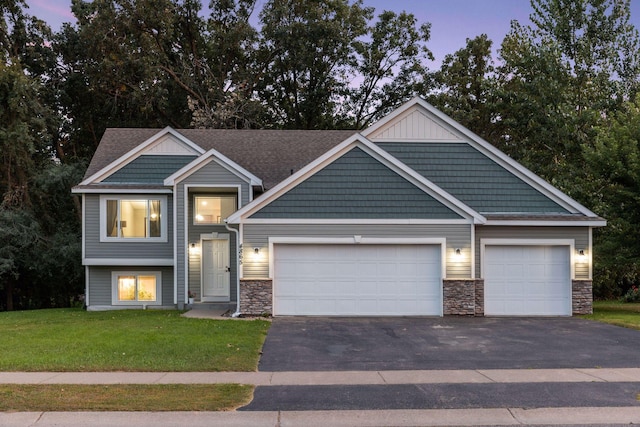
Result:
x=413 y=216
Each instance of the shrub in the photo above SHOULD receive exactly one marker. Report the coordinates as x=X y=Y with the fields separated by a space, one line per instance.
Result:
x=632 y=295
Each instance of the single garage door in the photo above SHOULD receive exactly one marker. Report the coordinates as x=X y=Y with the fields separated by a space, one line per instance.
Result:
x=527 y=281
x=357 y=280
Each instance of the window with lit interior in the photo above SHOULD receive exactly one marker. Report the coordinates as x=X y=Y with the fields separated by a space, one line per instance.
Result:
x=129 y=218
x=213 y=209
x=136 y=288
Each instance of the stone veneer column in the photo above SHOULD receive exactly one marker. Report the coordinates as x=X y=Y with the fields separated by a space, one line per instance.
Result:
x=479 y=297
x=582 y=296
x=459 y=297
x=256 y=297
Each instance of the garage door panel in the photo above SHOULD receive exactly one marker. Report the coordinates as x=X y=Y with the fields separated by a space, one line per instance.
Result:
x=364 y=280
x=527 y=280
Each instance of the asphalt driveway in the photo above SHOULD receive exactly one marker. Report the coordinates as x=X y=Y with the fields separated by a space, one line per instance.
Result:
x=343 y=344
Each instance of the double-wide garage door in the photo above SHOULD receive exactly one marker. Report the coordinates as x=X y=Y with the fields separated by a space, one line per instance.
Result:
x=527 y=281
x=357 y=280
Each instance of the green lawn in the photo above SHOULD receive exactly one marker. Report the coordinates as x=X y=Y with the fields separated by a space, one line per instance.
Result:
x=127 y=340
x=616 y=313
x=123 y=397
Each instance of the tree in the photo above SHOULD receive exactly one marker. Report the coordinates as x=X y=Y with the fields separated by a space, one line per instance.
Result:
x=389 y=62
x=613 y=162
x=465 y=87
x=304 y=52
x=559 y=78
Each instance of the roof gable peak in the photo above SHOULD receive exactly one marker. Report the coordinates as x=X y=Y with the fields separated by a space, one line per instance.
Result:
x=168 y=141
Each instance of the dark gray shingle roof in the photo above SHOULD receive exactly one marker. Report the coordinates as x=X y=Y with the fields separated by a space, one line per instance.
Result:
x=271 y=155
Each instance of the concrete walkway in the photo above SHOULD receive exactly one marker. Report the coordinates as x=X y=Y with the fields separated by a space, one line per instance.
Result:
x=329 y=378
x=412 y=417
x=432 y=417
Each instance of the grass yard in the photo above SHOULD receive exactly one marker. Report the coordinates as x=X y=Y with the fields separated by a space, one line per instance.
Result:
x=127 y=340
x=616 y=313
x=174 y=397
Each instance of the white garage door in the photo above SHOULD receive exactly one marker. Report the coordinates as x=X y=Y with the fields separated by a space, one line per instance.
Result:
x=527 y=280
x=357 y=280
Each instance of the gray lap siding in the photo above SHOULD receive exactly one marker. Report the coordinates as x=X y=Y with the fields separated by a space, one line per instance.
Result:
x=100 y=290
x=203 y=181
x=257 y=236
x=94 y=248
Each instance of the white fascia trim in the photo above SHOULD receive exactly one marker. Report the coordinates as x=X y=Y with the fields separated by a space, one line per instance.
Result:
x=222 y=160
x=359 y=240
x=571 y=243
x=122 y=191
x=392 y=116
x=137 y=151
x=357 y=140
x=137 y=262
x=594 y=223
x=320 y=221
x=502 y=159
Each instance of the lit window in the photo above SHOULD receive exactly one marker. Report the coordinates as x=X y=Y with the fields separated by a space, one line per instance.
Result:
x=131 y=287
x=213 y=209
x=133 y=218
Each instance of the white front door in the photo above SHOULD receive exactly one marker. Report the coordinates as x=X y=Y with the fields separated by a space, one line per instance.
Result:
x=215 y=270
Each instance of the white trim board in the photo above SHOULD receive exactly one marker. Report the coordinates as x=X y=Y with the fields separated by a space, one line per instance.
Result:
x=138 y=262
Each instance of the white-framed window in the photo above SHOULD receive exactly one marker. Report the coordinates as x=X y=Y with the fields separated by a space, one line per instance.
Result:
x=212 y=209
x=133 y=218
x=136 y=288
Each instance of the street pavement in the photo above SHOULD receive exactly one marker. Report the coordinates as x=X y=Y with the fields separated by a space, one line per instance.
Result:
x=373 y=398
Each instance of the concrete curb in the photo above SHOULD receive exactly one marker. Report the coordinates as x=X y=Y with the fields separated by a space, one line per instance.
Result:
x=430 y=417
x=328 y=378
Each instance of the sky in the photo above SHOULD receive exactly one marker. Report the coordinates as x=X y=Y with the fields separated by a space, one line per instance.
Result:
x=452 y=21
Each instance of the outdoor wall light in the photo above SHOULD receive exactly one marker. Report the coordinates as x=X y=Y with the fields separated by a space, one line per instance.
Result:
x=581 y=255
x=458 y=252
x=256 y=251
x=193 y=248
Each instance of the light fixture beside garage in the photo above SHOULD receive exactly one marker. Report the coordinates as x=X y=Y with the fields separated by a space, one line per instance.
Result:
x=256 y=254
x=457 y=254
x=581 y=255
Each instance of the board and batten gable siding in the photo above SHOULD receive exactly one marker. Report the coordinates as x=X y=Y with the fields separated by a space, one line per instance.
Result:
x=94 y=248
x=149 y=169
x=579 y=234
x=257 y=236
x=208 y=177
x=356 y=186
x=471 y=177
x=100 y=290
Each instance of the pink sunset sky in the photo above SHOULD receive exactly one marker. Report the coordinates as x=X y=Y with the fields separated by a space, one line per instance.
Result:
x=452 y=21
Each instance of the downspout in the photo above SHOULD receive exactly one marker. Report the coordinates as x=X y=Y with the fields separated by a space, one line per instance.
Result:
x=237 y=313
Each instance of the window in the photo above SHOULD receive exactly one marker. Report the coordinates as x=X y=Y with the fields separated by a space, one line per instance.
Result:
x=213 y=209
x=133 y=218
x=136 y=288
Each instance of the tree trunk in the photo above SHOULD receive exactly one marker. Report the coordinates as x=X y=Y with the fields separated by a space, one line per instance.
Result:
x=8 y=288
